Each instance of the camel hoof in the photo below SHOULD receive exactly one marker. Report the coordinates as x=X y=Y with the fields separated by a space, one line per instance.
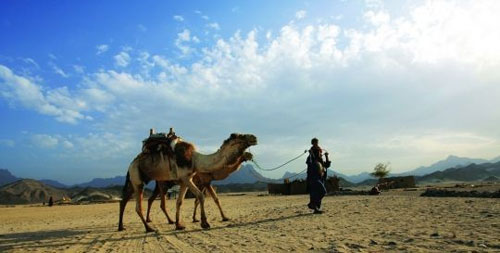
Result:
x=179 y=227
x=225 y=219
x=121 y=229
x=149 y=229
x=171 y=222
x=195 y=220
x=205 y=225
x=148 y=220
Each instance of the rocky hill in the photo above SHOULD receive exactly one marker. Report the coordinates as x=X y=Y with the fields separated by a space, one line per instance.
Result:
x=27 y=191
x=472 y=172
x=104 y=182
x=450 y=162
x=245 y=175
x=97 y=194
x=6 y=177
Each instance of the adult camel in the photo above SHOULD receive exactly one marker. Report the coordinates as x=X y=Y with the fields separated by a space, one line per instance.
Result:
x=204 y=183
x=182 y=167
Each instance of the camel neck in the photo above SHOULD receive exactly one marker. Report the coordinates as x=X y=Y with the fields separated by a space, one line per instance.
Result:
x=228 y=169
x=215 y=162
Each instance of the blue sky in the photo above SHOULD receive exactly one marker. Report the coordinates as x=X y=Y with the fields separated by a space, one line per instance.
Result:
x=406 y=82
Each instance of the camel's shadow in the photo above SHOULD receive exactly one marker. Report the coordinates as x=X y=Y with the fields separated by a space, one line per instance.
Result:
x=65 y=238
x=26 y=240
x=244 y=224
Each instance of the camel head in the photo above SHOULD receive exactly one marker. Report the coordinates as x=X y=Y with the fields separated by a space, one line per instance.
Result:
x=236 y=145
x=241 y=141
x=247 y=156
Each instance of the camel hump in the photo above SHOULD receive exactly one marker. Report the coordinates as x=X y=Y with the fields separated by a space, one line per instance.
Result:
x=184 y=154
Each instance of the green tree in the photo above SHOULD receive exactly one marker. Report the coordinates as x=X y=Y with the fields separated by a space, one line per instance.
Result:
x=381 y=170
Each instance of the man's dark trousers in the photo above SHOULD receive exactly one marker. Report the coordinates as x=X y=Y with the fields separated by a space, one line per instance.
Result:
x=317 y=191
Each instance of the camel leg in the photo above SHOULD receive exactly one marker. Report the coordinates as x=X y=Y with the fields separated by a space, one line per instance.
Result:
x=180 y=198
x=162 y=205
x=212 y=192
x=138 y=206
x=196 y=202
x=127 y=192
x=199 y=195
x=151 y=199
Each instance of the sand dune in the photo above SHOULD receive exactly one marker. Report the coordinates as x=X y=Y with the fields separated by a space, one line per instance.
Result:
x=396 y=221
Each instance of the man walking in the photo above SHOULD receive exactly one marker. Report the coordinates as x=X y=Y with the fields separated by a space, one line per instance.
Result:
x=315 y=172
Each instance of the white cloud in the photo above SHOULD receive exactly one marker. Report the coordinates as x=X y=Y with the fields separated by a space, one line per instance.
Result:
x=268 y=35
x=184 y=35
x=122 y=59
x=44 y=141
x=58 y=70
x=7 y=143
x=102 y=49
x=205 y=17
x=79 y=69
x=300 y=14
x=19 y=89
x=377 y=18
x=178 y=18
x=214 y=26
x=374 y=4
x=67 y=144
x=32 y=62
x=181 y=42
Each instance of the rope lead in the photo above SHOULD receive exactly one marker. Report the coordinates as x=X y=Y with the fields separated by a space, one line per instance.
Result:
x=275 y=168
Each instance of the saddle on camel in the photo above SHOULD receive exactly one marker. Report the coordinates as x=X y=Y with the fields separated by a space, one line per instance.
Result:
x=162 y=144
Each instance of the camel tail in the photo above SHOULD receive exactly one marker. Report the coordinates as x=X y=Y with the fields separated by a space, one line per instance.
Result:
x=126 y=186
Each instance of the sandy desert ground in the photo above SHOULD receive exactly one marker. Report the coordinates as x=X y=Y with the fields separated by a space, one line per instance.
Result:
x=396 y=221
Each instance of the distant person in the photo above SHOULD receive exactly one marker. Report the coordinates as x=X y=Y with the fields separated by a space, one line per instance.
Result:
x=375 y=190
x=315 y=176
x=51 y=201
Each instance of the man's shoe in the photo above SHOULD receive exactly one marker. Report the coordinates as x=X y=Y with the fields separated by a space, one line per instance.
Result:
x=317 y=211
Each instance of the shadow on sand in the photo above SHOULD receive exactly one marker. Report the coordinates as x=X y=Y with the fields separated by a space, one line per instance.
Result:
x=64 y=238
x=244 y=224
x=87 y=237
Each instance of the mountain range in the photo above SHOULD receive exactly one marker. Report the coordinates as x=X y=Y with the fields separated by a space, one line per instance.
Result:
x=6 y=177
x=471 y=172
x=28 y=191
x=246 y=179
x=450 y=162
x=248 y=175
x=245 y=175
